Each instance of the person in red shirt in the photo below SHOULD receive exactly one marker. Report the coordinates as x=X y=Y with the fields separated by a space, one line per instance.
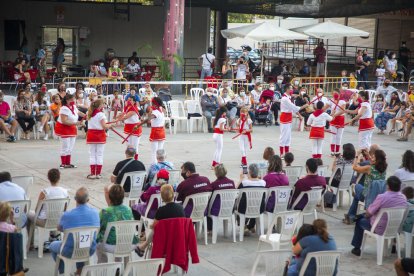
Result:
x=6 y=118
x=320 y=54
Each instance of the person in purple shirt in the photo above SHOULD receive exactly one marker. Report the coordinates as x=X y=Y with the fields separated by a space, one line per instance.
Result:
x=274 y=178
x=221 y=183
x=193 y=184
x=392 y=198
x=312 y=179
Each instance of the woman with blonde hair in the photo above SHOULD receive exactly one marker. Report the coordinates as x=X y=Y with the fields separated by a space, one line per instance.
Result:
x=96 y=137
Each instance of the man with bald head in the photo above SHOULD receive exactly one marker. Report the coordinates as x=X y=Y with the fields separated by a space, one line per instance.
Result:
x=82 y=215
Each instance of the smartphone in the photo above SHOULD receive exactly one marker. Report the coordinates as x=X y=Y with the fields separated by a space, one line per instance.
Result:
x=244 y=169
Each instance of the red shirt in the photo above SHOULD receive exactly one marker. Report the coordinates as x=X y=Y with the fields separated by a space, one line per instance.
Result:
x=4 y=108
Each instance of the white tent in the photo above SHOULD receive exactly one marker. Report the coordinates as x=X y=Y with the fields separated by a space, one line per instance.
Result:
x=263 y=32
x=330 y=30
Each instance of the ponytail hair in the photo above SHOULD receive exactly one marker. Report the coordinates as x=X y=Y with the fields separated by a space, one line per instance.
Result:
x=94 y=105
x=219 y=112
x=321 y=229
x=67 y=98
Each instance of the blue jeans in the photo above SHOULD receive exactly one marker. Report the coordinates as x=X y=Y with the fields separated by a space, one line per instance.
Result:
x=359 y=188
x=361 y=225
x=55 y=250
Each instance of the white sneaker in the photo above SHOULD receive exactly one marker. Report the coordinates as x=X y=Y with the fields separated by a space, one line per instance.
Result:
x=46 y=137
x=40 y=129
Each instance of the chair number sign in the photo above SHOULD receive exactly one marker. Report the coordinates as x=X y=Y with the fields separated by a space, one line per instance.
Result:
x=84 y=239
x=137 y=181
x=16 y=211
x=282 y=196
x=289 y=220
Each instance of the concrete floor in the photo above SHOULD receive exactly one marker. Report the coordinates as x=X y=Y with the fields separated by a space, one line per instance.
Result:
x=225 y=257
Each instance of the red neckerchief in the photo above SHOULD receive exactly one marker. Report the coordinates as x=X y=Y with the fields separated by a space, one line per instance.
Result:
x=248 y=134
x=71 y=108
x=154 y=107
x=96 y=111
x=131 y=107
x=317 y=112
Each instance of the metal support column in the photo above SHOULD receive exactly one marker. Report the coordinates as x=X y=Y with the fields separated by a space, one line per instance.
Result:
x=221 y=42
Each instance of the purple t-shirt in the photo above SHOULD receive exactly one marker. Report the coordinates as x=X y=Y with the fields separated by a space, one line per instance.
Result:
x=145 y=197
x=194 y=184
x=220 y=184
x=274 y=179
x=306 y=184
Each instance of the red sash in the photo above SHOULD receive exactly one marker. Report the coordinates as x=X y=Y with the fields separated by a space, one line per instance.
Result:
x=128 y=129
x=218 y=131
x=157 y=134
x=96 y=136
x=248 y=134
x=317 y=133
x=65 y=131
x=366 y=124
x=338 y=122
x=285 y=118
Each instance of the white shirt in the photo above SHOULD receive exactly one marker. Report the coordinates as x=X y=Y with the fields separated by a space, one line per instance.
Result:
x=10 y=191
x=322 y=99
x=208 y=59
x=133 y=68
x=319 y=121
x=241 y=71
x=287 y=106
x=385 y=91
x=223 y=101
x=95 y=121
x=43 y=107
x=253 y=183
x=220 y=122
x=243 y=102
x=159 y=120
x=368 y=112
x=53 y=192
x=404 y=175
x=380 y=72
x=256 y=95
x=336 y=107
x=247 y=124
x=72 y=117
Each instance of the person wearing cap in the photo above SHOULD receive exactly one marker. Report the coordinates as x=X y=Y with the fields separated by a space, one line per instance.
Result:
x=140 y=209
x=337 y=125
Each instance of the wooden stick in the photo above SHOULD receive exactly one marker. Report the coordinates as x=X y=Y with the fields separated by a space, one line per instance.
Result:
x=337 y=105
x=116 y=132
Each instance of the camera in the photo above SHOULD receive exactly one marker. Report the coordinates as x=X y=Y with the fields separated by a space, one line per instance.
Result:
x=244 y=169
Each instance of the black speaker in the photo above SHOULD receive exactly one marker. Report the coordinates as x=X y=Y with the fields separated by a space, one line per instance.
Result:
x=12 y=35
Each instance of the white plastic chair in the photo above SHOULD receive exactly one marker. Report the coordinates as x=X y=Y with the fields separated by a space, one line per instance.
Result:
x=125 y=231
x=254 y=198
x=71 y=90
x=395 y=217
x=89 y=90
x=177 y=114
x=293 y=173
x=323 y=170
x=200 y=203
x=141 y=92
x=286 y=224
x=136 y=179
x=344 y=186
x=167 y=118
x=275 y=261
x=281 y=195
x=408 y=236
x=371 y=94
x=145 y=218
x=227 y=200
x=151 y=267
x=54 y=211
x=23 y=181
x=407 y=183
x=107 y=269
x=326 y=262
x=52 y=91
x=11 y=100
x=196 y=93
x=314 y=196
x=20 y=207
x=193 y=106
x=175 y=176
x=82 y=238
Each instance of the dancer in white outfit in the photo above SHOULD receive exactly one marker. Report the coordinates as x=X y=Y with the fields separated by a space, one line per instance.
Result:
x=132 y=126
x=317 y=120
x=219 y=128
x=338 y=123
x=245 y=125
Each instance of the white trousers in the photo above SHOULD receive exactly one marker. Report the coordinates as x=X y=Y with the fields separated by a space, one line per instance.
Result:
x=336 y=139
x=218 y=139
x=285 y=134
x=134 y=142
x=67 y=145
x=96 y=152
x=244 y=144
x=317 y=146
x=155 y=145
x=364 y=138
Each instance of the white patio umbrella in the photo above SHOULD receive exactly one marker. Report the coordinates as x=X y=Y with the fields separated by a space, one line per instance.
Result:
x=262 y=32
x=330 y=30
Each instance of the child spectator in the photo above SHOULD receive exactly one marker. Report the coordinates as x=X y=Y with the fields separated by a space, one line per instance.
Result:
x=379 y=104
x=352 y=81
x=359 y=62
x=344 y=77
x=380 y=74
x=409 y=221
x=289 y=158
x=116 y=104
x=5 y=213
x=55 y=106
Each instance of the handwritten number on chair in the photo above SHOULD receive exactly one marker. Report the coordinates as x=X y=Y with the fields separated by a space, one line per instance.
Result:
x=282 y=196
x=137 y=181
x=289 y=222
x=16 y=211
x=84 y=239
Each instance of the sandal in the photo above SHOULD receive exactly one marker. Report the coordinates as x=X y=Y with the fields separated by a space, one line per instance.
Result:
x=91 y=176
x=391 y=131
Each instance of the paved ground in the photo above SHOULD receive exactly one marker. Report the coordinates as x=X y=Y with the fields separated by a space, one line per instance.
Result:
x=225 y=257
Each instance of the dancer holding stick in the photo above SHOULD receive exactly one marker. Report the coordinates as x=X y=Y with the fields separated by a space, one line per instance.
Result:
x=317 y=120
x=338 y=123
x=245 y=125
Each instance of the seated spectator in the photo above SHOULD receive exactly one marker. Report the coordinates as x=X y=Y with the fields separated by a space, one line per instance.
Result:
x=6 y=118
x=133 y=69
x=193 y=184
x=409 y=220
x=23 y=108
x=116 y=211
x=346 y=159
x=409 y=123
x=289 y=158
x=209 y=106
x=161 y=164
x=404 y=266
x=6 y=217
x=41 y=107
x=268 y=152
x=389 y=112
x=406 y=171
x=378 y=104
x=101 y=69
x=139 y=209
x=275 y=177
x=256 y=92
x=392 y=198
x=125 y=166
x=8 y=190
x=312 y=179
x=230 y=103
x=19 y=70
x=169 y=210
x=251 y=180
x=81 y=216
x=52 y=192
x=320 y=241
x=55 y=107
